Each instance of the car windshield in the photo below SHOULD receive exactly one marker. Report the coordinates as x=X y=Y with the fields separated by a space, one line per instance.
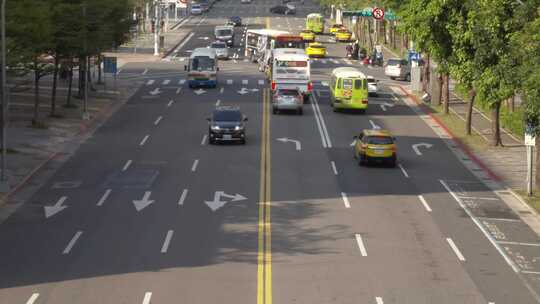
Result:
x=226 y=32
x=202 y=63
x=380 y=140
x=227 y=116
x=283 y=92
x=218 y=45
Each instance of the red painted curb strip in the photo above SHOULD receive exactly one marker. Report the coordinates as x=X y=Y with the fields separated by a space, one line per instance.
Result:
x=461 y=145
x=30 y=175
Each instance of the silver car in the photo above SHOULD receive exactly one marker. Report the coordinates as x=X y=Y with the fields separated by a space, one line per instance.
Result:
x=372 y=86
x=222 y=51
x=287 y=99
x=398 y=68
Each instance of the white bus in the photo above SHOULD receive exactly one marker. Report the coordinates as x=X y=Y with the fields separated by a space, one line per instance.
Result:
x=202 y=68
x=291 y=69
x=257 y=41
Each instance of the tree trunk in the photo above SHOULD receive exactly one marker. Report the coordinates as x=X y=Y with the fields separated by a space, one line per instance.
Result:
x=496 y=124
x=425 y=77
x=35 y=119
x=370 y=37
x=440 y=79
x=446 y=93
x=537 y=175
x=385 y=32
x=70 y=85
x=55 y=81
x=470 y=106
x=100 y=79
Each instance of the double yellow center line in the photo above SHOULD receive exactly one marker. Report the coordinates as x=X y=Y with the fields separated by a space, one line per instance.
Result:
x=264 y=258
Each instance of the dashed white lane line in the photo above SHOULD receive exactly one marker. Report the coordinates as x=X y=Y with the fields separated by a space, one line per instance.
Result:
x=150 y=82
x=72 y=242
x=166 y=81
x=519 y=243
x=158 y=120
x=104 y=197
x=178 y=91
x=126 y=166
x=194 y=166
x=379 y=300
x=32 y=298
x=426 y=205
x=480 y=198
x=345 y=200
x=221 y=90
x=143 y=141
x=147 y=298
x=170 y=103
x=145 y=72
x=334 y=167
x=403 y=171
x=218 y=102
x=360 y=244
x=455 y=249
x=167 y=241
x=183 y=197
x=203 y=141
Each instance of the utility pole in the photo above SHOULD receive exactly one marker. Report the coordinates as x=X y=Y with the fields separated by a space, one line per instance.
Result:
x=4 y=185
x=85 y=114
x=156 y=28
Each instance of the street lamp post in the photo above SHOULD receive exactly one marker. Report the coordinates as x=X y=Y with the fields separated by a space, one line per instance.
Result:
x=4 y=185
x=156 y=27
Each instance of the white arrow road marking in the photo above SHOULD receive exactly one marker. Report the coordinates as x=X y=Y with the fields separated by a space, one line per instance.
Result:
x=52 y=210
x=403 y=171
x=254 y=90
x=126 y=166
x=158 y=120
x=170 y=103
x=194 y=166
x=166 y=81
x=143 y=141
x=456 y=250
x=374 y=126
x=379 y=300
x=144 y=202
x=334 y=167
x=183 y=197
x=155 y=92
x=421 y=198
x=218 y=203
x=199 y=91
x=203 y=38
x=147 y=297
x=383 y=107
x=203 y=141
x=417 y=146
x=360 y=244
x=167 y=241
x=296 y=142
x=72 y=242
x=243 y=91
x=150 y=82
x=33 y=298
x=104 y=197
x=345 y=200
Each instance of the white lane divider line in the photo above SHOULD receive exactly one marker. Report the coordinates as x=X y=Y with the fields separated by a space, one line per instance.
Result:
x=147 y=297
x=145 y=72
x=334 y=167
x=178 y=91
x=203 y=141
x=221 y=90
x=218 y=102
x=183 y=197
x=72 y=242
x=403 y=171
x=244 y=82
x=261 y=81
x=379 y=300
x=126 y=166
x=360 y=244
x=32 y=298
x=170 y=103
x=143 y=141
x=166 y=81
x=426 y=205
x=323 y=139
x=194 y=166
x=322 y=129
x=158 y=120
x=374 y=126
x=167 y=241
x=455 y=249
x=150 y=82
x=345 y=200
x=104 y=197
x=480 y=198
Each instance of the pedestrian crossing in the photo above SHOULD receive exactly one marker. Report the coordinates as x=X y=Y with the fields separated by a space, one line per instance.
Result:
x=332 y=61
x=242 y=82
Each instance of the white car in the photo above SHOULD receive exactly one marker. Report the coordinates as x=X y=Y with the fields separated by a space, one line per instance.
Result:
x=222 y=52
x=372 y=86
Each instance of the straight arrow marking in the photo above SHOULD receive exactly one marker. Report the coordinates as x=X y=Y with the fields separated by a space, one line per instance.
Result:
x=144 y=202
x=374 y=126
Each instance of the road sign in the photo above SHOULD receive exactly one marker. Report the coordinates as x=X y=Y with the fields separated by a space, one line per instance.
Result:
x=110 y=65
x=378 y=13
x=183 y=1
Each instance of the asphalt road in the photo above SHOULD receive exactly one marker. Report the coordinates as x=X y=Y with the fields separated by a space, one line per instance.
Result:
x=148 y=212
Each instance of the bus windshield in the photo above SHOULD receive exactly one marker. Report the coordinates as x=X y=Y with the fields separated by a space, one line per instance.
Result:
x=202 y=63
x=290 y=43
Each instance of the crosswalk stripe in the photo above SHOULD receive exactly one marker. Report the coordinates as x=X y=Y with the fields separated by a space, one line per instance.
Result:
x=323 y=60
x=166 y=81
x=182 y=81
x=261 y=82
x=150 y=82
x=229 y=81
x=245 y=82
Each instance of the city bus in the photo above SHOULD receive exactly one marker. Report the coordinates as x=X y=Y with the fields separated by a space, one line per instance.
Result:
x=202 y=68
x=315 y=23
x=281 y=41
x=291 y=69
x=257 y=41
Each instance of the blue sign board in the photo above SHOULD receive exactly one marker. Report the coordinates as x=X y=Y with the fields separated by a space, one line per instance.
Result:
x=110 y=65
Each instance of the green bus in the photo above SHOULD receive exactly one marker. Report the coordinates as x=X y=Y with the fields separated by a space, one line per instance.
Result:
x=315 y=23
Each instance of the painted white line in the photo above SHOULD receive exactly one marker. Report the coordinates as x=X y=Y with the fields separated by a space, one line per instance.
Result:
x=497 y=219
x=33 y=298
x=334 y=167
x=480 y=198
x=145 y=72
x=104 y=197
x=323 y=139
x=221 y=90
x=158 y=120
x=456 y=250
x=203 y=141
x=143 y=141
x=126 y=166
x=261 y=81
x=119 y=71
x=178 y=91
x=147 y=297
x=323 y=124
x=374 y=126
x=72 y=242
x=183 y=197
x=150 y=82
x=194 y=166
x=244 y=81
x=491 y=302
x=379 y=300
x=403 y=171
x=421 y=198
x=530 y=272
x=360 y=244
x=170 y=103
x=519 y=243
x=345 y=200
x=167 y=241
x=181 y=82
x=166 y=81
x=218 y=102
x=185 y=41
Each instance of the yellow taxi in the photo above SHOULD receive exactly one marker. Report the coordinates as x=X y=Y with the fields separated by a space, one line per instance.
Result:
x=307 y=35
x=375 y=146
x=343 y=35
x=335 y=27
x=316 y=49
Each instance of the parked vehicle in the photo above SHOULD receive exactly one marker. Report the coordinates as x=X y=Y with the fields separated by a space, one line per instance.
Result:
x=225 y=33
x=221 y=49
x=397 y=68
x=348 y=89
x=343 y=35
x=315 y=23
x=202 y=68
x=227 y=124
x=287 y=99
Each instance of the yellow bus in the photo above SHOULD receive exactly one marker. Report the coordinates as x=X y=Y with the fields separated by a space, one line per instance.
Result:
x=348 y=89
x=315 y=23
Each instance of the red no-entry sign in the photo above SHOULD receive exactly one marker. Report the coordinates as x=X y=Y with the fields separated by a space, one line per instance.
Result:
x=377 y=13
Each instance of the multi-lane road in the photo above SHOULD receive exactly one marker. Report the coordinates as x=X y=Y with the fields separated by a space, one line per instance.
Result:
x=146 y=211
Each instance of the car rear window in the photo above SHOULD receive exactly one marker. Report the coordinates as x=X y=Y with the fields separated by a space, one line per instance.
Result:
x=227 y=116
x=347 y=84
x=394 y=61
x=380 y=140
x=359 y=84
x=288 y=92
x=218 y=45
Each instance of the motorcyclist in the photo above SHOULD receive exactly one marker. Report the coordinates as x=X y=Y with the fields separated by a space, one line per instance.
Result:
x=349 y=50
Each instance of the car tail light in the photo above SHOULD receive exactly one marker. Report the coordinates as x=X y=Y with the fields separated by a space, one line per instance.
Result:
x=365 y=101
x=398 y=66
x=310 y=86
x=273 y=85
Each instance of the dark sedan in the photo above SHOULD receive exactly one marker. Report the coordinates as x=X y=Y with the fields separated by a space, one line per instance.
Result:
x=227 y=124
x=283 y=10
x=235 y=20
